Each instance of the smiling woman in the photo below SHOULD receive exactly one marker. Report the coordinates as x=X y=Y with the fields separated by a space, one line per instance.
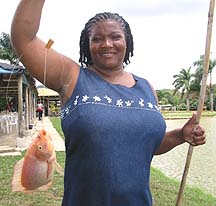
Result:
x=110 y=117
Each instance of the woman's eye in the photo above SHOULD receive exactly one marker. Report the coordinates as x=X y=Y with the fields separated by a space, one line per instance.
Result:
x=116 y=37
x=96 y=39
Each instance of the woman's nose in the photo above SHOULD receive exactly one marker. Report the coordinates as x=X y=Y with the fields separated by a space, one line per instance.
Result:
x=107 y=43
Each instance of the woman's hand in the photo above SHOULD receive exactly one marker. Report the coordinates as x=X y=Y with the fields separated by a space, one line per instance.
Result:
x=193 y=133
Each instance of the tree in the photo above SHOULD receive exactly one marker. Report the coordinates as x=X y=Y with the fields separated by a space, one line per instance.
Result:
x=182 y=83
x=200 y=64
x=6 y=50
x=165 y=96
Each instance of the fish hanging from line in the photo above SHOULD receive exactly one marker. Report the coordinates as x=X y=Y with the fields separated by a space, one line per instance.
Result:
x=36 y=169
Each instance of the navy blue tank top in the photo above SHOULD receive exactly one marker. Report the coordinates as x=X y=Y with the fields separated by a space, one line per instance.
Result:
x=111 y=133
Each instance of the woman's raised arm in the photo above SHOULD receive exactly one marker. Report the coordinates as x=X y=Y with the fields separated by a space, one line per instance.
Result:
x=60 y=69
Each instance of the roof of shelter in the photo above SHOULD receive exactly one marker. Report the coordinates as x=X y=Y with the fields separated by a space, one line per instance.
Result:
x=9 y=68
x=9 y=75
x=42 y=92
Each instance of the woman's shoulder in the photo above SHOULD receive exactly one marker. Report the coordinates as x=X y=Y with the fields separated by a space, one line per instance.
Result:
x=141 y=79
x=146 y=83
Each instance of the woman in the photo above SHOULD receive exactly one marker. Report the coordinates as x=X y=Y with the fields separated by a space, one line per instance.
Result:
x=110 y=118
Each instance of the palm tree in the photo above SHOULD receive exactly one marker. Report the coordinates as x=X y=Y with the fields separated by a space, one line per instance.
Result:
x=165 y=96
x=212 y=64
x=6 y=50
x=199 y=63
x=183 y=82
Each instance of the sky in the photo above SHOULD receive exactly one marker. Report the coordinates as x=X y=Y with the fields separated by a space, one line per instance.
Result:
x=168 y=35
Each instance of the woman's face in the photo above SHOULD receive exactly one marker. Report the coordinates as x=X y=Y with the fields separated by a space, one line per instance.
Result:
x=107 y=45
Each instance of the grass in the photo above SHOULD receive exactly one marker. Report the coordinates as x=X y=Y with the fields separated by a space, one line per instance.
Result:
x=56 y=121
x=185 y=114
x=164 y=189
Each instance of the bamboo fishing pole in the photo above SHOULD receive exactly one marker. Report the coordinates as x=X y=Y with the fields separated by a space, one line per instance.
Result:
x=201 y=97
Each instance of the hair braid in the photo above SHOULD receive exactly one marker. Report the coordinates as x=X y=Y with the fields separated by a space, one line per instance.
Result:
x=85 y=56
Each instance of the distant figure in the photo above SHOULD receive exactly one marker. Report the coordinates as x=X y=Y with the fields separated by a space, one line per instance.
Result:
x=10 y=106
x=40 y=108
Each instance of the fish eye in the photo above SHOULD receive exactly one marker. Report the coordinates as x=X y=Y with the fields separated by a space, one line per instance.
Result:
x=40 y=147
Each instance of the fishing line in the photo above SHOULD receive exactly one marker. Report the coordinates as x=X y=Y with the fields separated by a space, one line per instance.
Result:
x=47 y=47
x=8 y=107
x=19 y=122
x=62 y=63
x=8 y=84
x=62 y=81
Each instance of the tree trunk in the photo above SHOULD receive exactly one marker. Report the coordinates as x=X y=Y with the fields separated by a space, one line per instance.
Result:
x=20 y=106
x=188 y=103
x=211 y=101
x=211 y=94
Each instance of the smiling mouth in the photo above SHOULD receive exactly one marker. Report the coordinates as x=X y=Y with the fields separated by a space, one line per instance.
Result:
x=108 y=54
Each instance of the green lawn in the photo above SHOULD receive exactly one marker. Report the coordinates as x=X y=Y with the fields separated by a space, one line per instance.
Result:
x=57 y=124
x=185 y=114
x=165 y=192
x=164 y=189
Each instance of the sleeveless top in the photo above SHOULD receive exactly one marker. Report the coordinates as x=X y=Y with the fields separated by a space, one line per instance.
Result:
x=111 y=133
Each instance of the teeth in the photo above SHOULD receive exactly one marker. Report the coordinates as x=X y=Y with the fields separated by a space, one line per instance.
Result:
x=107 y=54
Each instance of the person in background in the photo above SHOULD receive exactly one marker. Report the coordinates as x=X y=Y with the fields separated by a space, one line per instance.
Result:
x=40 y=109
x=10 y=106
x=110 y=117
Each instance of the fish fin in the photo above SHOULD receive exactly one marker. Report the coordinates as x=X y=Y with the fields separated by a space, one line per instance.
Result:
x=16 y=178
x=59 y=168
x=45 y=187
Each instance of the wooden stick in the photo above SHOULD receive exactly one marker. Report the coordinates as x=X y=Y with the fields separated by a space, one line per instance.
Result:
x=201 y=97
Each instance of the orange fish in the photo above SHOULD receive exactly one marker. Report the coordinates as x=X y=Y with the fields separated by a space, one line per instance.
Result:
x=35 y=170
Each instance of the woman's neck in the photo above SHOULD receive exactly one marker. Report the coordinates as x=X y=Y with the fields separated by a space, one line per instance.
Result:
x=112 y=76
x=118 y=76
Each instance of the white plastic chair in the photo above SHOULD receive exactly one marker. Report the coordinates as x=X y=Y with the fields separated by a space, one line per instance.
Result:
x=5 y=124
x=12 y=122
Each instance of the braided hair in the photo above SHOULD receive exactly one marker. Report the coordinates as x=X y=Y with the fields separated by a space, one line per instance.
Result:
x=85 y=56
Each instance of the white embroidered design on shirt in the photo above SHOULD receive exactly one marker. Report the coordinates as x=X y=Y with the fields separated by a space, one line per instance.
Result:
x=76 y=100
x=67 y=110
x=85 y=98
x=128 y=103
x=97 y=99
x=138 y=103
x=150 y=105
x=119 y=103
x=141 y=102
x=156 y=107
x=109 y=100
